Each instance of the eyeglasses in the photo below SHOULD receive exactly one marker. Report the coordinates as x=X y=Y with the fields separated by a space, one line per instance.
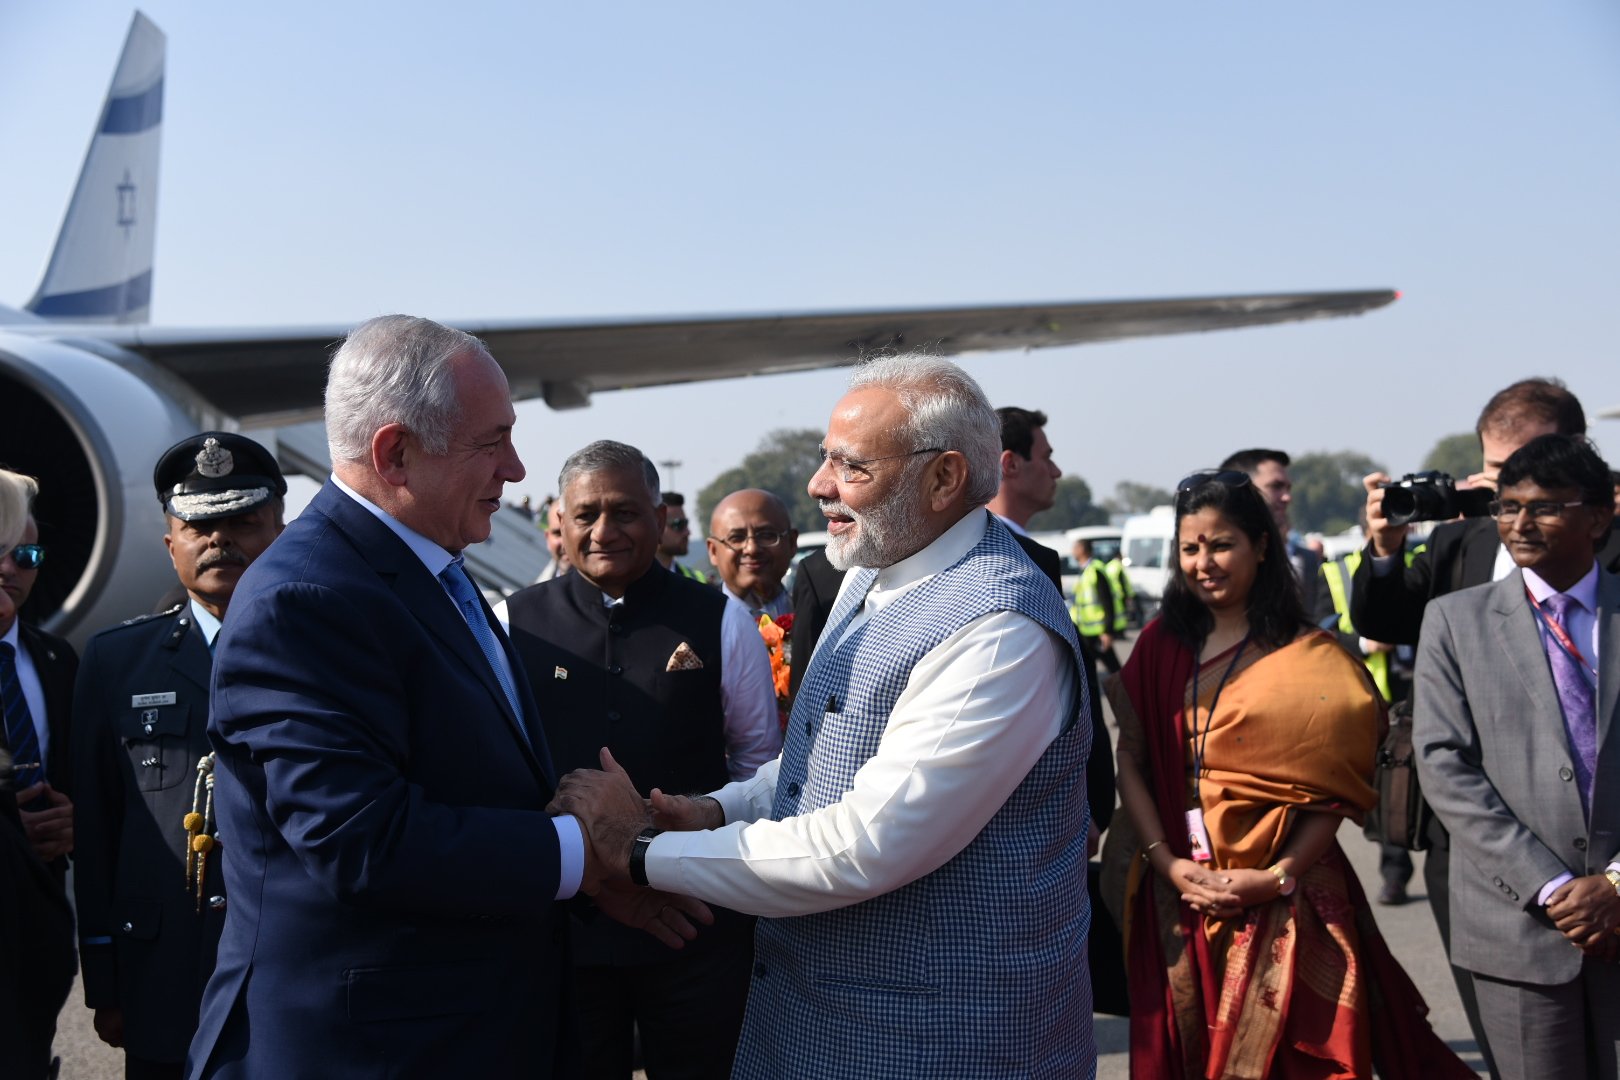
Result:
x=28 y=556
x=1545 y=513
x=736 y=541
x=1232 y=478
x=678 y=524
x=851 y=471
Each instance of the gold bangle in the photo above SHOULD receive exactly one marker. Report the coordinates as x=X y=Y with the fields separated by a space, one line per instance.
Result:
x=1285 y=883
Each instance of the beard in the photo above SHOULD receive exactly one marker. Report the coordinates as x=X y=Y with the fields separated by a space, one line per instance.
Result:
x=891 y=531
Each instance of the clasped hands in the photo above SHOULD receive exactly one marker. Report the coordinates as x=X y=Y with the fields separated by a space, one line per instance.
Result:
x=1587 y=912
x=611 y=812
x=1220 y=894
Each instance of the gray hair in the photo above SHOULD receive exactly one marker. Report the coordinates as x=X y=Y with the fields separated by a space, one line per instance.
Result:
x=944 y=408
x=16 y=503
x=394 y=369
x=604 y=455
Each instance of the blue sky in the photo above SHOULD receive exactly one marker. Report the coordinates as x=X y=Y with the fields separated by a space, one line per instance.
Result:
x=327 y=162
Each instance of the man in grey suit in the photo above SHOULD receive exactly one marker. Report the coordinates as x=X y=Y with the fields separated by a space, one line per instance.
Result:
x=1515 y=728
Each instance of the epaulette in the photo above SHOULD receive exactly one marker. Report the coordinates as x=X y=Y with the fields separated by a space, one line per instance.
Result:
x=137 y=620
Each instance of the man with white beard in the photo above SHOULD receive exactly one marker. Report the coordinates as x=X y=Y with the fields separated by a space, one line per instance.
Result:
x=915 y=851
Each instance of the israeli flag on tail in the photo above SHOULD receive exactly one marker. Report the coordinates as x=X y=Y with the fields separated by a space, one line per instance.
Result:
x=101 y=270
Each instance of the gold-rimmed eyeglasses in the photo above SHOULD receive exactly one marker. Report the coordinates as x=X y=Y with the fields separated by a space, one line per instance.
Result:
x=851 y=471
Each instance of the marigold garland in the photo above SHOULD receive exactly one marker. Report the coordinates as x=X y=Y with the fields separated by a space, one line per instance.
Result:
x=778 y=641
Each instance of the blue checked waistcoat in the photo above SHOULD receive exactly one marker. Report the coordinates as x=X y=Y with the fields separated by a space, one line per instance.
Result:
x=979 y=969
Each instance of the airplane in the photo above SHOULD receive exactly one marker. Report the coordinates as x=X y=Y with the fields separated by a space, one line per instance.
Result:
x=96 y=394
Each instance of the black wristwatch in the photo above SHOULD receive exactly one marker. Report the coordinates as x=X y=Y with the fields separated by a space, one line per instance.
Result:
x=638 y=854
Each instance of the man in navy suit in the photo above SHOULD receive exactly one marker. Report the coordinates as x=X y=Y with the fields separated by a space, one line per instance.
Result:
x=382 y=771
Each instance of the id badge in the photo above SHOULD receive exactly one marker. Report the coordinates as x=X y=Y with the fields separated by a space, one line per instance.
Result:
x=1198 y=836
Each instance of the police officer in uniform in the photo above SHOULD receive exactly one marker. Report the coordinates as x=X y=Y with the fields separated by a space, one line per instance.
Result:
x=147 y=870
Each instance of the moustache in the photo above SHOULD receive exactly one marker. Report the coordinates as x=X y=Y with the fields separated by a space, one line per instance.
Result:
x=222 y=557
x=834 y=506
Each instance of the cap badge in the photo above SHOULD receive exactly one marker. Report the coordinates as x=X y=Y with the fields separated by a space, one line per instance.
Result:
x=213 y=460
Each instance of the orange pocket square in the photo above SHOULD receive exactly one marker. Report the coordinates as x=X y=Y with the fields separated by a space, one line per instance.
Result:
x=683 y=659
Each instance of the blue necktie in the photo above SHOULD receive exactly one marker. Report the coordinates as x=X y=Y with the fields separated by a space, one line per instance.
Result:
x=466 y=597
x=20 y=733
x=1575 y=695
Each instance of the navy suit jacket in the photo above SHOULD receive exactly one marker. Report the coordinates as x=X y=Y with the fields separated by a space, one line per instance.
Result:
x=390 y=865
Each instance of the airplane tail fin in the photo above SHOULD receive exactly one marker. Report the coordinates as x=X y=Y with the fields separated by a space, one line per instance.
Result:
x=101 y=270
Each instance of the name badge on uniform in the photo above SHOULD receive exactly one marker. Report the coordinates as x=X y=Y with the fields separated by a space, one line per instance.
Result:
x=141 y=701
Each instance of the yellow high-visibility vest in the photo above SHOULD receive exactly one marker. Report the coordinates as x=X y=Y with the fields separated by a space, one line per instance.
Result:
x=1338 y=574
x=1089 y=615
x=1115 y=569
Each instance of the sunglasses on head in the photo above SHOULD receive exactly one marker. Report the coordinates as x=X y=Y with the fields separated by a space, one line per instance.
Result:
x=1232 y=478
x=28 y=556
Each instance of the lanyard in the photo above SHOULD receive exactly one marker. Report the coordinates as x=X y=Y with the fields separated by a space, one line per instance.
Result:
x=1559 y=634
x=1199 y=739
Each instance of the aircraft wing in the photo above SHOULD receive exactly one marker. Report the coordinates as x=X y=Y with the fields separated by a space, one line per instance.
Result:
x=275 y=376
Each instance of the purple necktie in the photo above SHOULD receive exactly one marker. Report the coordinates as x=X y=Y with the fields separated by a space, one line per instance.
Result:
x=1575 y=695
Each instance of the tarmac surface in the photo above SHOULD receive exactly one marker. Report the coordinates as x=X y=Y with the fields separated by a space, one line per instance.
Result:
x=1409 y=929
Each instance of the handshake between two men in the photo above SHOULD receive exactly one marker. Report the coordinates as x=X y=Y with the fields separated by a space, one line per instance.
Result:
x=612 y=814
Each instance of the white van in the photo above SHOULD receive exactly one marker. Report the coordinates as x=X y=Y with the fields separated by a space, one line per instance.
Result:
x=1149 y=544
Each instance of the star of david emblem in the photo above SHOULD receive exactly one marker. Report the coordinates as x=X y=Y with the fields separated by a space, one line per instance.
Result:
x=126 y=203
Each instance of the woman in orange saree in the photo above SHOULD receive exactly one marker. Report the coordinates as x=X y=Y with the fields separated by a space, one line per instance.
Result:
x=1245 y=740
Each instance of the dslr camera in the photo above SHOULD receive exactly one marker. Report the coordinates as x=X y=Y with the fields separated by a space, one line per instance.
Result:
x=1432 y=496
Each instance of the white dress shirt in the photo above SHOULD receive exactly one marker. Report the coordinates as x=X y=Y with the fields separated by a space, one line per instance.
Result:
x=570 y=834
x=977 y=713
x=1012 y=526
x=33 y=691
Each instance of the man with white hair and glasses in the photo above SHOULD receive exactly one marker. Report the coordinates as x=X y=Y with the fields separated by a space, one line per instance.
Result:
x=917 y=848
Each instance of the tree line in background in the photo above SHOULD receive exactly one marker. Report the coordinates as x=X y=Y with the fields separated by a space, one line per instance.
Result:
x=1328 y=495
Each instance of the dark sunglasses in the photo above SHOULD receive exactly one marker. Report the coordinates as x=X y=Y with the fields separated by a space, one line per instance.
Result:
x=678 y=524
x=28 y=556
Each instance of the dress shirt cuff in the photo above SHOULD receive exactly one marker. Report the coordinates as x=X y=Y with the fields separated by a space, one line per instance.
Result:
x=570 y=854
x=1553 y=886
x=1382 y=565
x=750 y=799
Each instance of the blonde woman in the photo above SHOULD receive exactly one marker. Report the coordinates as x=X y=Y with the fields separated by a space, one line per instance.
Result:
x=36 y=927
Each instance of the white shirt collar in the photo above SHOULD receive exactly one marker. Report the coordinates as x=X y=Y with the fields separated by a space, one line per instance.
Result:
x=946 y=551
x=1017 y=529
x=1584 y=591
x=205 y=622
x=434 y=557
x=10 y=637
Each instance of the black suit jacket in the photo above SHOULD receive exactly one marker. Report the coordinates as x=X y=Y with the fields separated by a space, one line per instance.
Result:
x=1458 y=555
x=815 y=587
x=36 y=941
x=57 y=665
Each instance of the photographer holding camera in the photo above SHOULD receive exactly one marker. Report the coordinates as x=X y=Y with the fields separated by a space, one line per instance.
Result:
x=1387 y=600
x=1388 y=606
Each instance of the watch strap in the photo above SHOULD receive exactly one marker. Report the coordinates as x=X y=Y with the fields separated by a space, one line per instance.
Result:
x=638 y=854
